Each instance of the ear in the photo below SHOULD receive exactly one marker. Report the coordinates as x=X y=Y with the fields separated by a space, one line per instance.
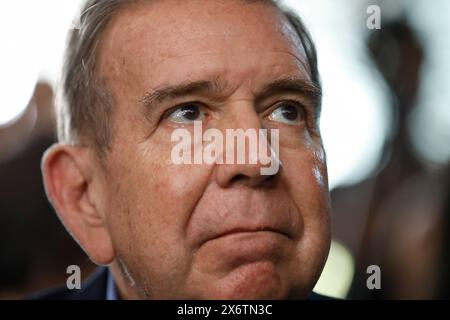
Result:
x=73 y=184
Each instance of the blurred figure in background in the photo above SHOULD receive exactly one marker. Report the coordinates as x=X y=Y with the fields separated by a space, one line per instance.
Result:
x=400 y=211
x=35 y=248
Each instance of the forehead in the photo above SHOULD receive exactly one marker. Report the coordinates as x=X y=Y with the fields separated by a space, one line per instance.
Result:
x=145 y=42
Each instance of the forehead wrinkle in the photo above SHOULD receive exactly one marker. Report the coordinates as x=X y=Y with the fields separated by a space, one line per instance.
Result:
x=123 y=64
x=161 y=37
x=291 y=36
x=249 y=51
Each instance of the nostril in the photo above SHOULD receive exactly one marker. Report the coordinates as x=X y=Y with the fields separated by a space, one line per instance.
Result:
x=239 y=177
x=253 y=181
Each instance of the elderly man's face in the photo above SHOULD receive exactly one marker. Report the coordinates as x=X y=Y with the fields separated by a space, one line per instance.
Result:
x=222 y=230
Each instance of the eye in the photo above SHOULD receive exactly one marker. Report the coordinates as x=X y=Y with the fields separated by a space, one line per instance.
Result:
x=186 y=114
x=288 y=113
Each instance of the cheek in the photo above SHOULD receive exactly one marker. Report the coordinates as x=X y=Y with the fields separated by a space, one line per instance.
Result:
x=153 y=186
x=150 y=203
x=306 y=178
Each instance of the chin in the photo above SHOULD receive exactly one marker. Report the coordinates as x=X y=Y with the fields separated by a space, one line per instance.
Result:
x=253 y=281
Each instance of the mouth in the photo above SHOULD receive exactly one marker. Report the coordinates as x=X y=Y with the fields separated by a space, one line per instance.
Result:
x=249 y=231
x=238 y=247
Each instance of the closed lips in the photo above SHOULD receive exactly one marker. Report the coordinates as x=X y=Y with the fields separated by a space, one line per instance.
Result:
x=242 y=230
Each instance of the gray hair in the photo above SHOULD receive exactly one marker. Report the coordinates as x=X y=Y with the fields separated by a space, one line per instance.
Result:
x=85 y=107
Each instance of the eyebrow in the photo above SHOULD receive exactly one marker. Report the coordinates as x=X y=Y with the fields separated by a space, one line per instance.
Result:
x=295 y=85
x=216 y=86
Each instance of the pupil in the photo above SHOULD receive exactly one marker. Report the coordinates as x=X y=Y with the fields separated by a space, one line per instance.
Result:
x=290 y=113
x=190 y=112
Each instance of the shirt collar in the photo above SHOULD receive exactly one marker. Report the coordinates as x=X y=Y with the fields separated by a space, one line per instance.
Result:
x=111 y=290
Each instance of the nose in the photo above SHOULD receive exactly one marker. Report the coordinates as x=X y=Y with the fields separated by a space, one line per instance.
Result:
x=247 y=151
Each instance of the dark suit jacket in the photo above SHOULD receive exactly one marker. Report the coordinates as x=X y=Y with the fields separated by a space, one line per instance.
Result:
x=94 y=288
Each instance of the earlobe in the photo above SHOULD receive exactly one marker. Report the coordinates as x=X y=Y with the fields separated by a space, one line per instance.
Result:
x=72 y=188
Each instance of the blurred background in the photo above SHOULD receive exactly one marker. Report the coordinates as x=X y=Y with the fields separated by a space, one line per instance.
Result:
x=385 y=126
